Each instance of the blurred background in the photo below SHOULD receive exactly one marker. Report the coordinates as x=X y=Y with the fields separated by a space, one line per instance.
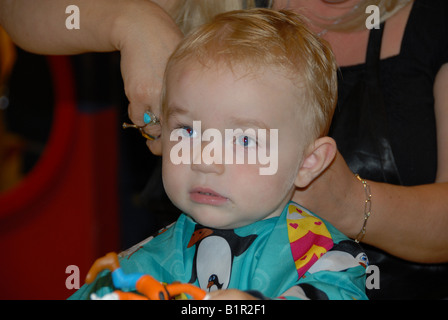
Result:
x=73 y=184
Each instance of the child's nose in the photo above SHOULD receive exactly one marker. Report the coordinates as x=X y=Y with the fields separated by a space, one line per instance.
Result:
x=208 y=168
x=206 y=162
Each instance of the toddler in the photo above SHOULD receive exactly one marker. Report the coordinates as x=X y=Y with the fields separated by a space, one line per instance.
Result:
x=248 y=87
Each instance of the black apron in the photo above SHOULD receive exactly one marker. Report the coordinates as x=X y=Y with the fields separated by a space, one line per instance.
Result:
x=360 y=128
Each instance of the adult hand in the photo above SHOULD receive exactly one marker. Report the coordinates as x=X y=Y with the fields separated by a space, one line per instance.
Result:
x=337 y=196
x=141 y=30
x=145 y=45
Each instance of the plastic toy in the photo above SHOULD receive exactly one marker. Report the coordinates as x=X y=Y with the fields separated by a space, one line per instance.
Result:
x=148 y=287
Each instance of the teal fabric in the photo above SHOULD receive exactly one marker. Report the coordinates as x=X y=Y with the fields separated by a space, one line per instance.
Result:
x=256 y=257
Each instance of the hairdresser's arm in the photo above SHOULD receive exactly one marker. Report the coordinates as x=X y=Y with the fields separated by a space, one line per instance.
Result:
x=409 y=222
x=140 y=29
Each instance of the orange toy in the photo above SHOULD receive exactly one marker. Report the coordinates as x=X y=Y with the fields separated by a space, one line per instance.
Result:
x=150 y=288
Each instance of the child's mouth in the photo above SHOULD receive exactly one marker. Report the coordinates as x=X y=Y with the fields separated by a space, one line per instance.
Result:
x=207 y=196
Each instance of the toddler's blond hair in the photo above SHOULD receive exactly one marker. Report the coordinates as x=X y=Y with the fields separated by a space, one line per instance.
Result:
x=263 y=38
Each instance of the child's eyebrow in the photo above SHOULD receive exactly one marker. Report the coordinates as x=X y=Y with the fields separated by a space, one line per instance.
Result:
x=175 y=110
x=249 y=123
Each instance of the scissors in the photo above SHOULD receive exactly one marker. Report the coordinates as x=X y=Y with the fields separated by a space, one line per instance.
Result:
x=149 y=119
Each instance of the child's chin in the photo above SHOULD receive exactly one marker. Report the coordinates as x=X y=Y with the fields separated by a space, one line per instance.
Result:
x=217 y=221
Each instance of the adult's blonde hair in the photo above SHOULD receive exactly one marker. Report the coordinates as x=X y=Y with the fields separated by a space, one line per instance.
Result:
x=355 y=19
x=189 y=14
x=263 y=38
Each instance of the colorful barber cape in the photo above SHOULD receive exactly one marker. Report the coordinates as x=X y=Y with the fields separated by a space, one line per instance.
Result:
x=294 y=256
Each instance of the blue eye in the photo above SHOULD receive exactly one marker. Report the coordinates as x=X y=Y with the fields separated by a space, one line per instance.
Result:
x=246 y=141
x=188 y=132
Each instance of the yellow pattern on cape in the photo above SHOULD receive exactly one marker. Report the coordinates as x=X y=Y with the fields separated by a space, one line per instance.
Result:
x=308 y=236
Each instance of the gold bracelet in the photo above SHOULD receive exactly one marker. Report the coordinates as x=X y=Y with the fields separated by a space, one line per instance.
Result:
x=367 y=208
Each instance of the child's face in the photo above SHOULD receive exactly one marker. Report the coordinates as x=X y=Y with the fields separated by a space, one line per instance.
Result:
x=224 y=195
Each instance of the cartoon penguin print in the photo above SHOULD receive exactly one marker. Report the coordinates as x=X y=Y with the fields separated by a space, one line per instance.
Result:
x=344 y=255
x=215 y=251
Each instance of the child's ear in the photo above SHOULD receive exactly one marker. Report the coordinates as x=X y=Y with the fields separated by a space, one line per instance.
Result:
x=317 y=159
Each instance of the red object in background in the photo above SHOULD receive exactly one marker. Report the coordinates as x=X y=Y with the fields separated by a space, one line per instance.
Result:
x=65 y=212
